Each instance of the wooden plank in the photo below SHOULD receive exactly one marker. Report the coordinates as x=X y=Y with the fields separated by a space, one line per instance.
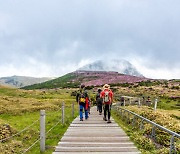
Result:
x=94 y=128
x=93 y=134
x=94 y=139
x=95 y=144
x=93 y=125
x=96 y=149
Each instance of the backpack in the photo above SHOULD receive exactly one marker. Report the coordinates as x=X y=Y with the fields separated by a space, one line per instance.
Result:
x=82 y=98
x=98 y=99
x=98 y=96
x=106 y=97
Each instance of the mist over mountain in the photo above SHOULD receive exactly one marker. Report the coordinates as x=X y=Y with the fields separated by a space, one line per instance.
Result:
x=21 y=81
x=116 y=65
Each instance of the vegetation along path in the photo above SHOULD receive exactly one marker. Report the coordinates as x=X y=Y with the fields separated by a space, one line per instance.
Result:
x=95 y=136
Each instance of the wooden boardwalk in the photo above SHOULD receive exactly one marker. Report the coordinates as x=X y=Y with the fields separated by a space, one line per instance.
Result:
x=95 y=136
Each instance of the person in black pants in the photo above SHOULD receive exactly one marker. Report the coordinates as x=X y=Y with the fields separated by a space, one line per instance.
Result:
x=107 y=110
x=107 y=96
x=99 y=101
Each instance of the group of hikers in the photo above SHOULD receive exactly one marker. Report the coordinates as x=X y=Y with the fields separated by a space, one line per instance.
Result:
x=104 y=99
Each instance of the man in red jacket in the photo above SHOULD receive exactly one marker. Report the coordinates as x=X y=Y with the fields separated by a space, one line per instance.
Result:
x=107 y=96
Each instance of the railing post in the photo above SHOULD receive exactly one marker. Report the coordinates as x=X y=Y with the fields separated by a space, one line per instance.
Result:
x=172 y=147
x=134 y=121
x=139 y=102
x=142 y=125
x=62 y=112
x=42 y=130
x=153 y=135
x=127 y=116
x=73 y=109
x=116 y=108
x=155 y=104
x=124 y=116
x=119 y=111
x=124 y=102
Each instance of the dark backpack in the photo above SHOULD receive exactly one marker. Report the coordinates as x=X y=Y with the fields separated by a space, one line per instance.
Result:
x=98 y=99
x=98 y=96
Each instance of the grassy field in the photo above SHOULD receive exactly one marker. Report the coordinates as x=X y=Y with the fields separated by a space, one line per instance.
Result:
x=168 y=94
x=21 y=108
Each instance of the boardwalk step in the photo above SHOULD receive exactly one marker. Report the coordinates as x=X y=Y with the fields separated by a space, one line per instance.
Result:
x=96 y=149
x=94 y=125
x=95 y=139
x=95 y=144
x=94 y=134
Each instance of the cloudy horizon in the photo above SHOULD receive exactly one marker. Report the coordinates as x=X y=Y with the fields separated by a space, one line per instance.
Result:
x=51 y=38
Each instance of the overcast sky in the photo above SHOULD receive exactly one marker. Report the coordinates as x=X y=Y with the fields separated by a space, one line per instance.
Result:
x=53 y=37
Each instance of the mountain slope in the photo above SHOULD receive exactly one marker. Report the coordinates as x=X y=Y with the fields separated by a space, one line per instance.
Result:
x=116 y=65
x=89 y=78
x=62 y=82
x=21 y=81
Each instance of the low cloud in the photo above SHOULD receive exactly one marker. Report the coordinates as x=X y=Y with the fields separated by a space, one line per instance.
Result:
x=63 y=35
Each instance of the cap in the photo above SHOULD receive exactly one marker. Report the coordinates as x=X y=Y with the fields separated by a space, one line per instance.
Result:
x=82 y=86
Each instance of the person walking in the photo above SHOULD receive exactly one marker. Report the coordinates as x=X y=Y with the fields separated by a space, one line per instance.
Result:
x=149 y=103
x=88 y=105
x=122 y=101
x=107 y=96
x=82 y=98
x=99 y=101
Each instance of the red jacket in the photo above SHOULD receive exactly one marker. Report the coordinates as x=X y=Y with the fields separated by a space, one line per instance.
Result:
x=87 y=103
x=110 y=95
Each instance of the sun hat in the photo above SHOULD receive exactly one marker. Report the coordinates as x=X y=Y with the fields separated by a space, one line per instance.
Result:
x=106 y=86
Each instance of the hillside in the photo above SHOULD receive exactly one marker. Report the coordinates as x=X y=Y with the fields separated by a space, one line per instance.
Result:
x=89 y=78
x=21 y=81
